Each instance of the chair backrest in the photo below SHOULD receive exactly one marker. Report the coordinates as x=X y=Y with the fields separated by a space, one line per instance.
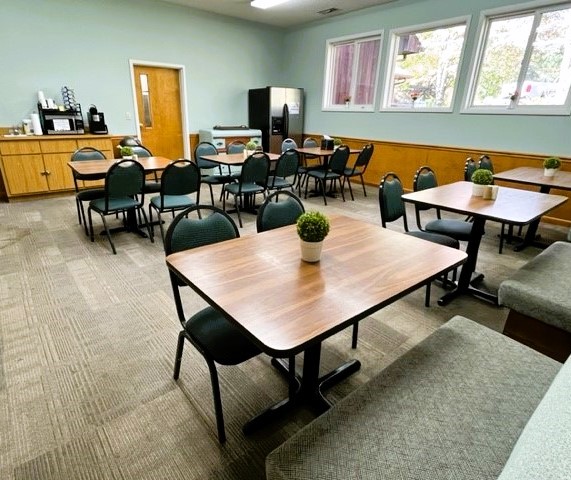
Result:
x=181 y=177
x=310 y=142
x=287 y=164
x=287 y=144
x=255 y=169
x=486 y=162
x=424 y=178
x=125 y=178
x=391 y=204
x=236 y=147
x=364 y=158
x=130 y=141
x=141 y=151
x=87 y=153
x=205 y=148
x=469 y=168
x=186 y=231
x=276 y=212
x=339 y=158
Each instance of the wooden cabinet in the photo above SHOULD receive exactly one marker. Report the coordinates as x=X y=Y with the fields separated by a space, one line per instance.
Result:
x=33 y=166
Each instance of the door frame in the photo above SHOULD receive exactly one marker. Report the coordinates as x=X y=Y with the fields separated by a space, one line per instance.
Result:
x=182 y=83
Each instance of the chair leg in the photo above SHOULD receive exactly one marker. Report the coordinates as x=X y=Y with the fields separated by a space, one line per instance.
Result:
x=217 y=401
x=211 y=194
x=141 y=209
x=83 y=216
x=363 y=183
x=151 y=218
x=350 y=188
x=77 y=205
x=427 y=296
x=160 y=226
x=178 y=355
x=92 y=238
x=355 y=335
x=236 y=205
x=323 y=184
x=108 y=234
x=502 y=237
x=342 y=188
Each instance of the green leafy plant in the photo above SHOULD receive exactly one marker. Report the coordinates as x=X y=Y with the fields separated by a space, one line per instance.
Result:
x=125 y=151
x=551 y=162
x=312 y=226
x=337 y=141
x=483 y=176
x=251 y=145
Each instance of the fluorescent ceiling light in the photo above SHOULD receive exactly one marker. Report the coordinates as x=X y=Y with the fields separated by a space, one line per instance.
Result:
x=266 y=3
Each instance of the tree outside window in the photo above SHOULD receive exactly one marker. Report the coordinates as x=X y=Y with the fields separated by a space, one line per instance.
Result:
x=352 y=73
x=524 y=64
x=425 y=66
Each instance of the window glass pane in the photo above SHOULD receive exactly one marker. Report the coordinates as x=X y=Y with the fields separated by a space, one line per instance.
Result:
x=145 y=94
x=505 y=48
x=548 y=75
x=342 y=73
x=367 y=72
x=425 y=68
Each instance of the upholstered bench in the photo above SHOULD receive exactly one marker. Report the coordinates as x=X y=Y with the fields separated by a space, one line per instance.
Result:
x=452 y=407
x=539 y=299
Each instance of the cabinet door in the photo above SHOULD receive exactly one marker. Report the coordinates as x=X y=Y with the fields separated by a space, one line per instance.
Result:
x=59 y=174
x=24 y=174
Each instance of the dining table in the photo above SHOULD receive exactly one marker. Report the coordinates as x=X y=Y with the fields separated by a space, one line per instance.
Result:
x=512 y=205
x=287 y=306
x=534 y=176
x=100 y=167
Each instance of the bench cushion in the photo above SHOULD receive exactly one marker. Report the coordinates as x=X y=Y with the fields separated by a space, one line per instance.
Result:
x=540 y=289
x=544 y=448
x=452 y=407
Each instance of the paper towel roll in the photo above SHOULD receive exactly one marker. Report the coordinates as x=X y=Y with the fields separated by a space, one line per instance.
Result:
x=41 y=98
x=36 y=125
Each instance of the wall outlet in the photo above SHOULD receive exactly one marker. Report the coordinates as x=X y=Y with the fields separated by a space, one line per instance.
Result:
x=128 y=116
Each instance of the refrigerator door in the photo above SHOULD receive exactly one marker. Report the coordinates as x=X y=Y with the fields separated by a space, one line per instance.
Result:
x=277 y=120
x=293 y=114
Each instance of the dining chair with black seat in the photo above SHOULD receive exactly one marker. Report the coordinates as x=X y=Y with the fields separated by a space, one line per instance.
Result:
x=86 y=194
x=309 y=142
x=236 y=146
x=123 y=192
x=210 y=179
x=285 y=172
x=392 y=208
x=359 y=167
x=470 y=166
x=208 y=330
x=179 y=180
x=288 y=144
x=334 y=172
x=253 y=180
x=279 y=209
x=153 y=183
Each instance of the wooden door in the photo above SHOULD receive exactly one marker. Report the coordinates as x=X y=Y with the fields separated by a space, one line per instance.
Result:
x=158 y=95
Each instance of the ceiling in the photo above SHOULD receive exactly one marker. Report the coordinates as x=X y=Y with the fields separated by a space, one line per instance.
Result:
x=289 y=14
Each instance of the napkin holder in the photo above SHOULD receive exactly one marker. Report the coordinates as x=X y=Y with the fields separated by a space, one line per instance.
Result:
x=327 y=144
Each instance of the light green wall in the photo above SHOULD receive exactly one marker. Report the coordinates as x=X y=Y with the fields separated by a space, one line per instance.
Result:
x=532 y=134
x=87 y=45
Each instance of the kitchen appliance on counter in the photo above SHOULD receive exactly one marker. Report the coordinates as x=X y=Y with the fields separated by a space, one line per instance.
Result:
x=278 y=112
x=221 y=136
x=96 y=121
x=61 y=122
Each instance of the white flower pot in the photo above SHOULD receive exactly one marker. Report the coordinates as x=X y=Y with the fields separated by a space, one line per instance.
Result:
x=311 y=251
x=127 y=157
x=549 y=172
x=478 y=190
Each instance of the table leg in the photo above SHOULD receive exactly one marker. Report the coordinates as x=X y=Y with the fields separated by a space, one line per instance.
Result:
x=129 y=225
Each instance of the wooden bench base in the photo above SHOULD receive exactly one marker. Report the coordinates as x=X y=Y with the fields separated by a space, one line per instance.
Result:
x=547 y=339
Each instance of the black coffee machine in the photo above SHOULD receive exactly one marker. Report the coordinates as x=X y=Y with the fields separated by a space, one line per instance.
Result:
x=96 y=121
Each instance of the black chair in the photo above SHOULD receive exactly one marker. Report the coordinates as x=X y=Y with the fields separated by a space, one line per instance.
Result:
x=278 y=212
x=470 y=166
x=309 y=142
x=124 y=184
x=392 y=208
x=86 y=195
x=153 y=182
x=285 y=174
x=334 y=172
x=179 y=180
x=359 y=168
x=236 y=146
x=459 y=229
x=210 y=179
x=288 y=144
x=253 y=180
x=208 y=330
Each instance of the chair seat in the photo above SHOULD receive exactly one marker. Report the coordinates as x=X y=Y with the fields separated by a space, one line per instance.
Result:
x=279 y=182
x=436 y=238
x=152 y=187
x=90 y=194
x=122 y=203
x=172 y=201
x=458 y=229
x=323 y=174
x=348 y=172
x=247 y=188
x=223 y=341
x=216 y=179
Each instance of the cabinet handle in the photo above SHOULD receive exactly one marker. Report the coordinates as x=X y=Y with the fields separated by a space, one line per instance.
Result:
x=46 y=173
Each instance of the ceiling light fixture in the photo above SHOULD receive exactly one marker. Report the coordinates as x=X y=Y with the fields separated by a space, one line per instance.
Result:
x=263 y=4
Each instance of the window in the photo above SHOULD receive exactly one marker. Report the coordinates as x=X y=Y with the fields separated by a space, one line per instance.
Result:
x=524 y=62
x=425 y=66
x=352 y=72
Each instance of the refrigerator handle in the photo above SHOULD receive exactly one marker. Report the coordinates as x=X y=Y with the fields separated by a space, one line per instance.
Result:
x=286 y=122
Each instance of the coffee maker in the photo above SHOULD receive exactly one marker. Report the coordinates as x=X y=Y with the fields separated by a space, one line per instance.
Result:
x=96 y=121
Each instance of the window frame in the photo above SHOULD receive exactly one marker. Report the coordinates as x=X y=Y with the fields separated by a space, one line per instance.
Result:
x=512 y=11
x=394 y=35
x=326 y=104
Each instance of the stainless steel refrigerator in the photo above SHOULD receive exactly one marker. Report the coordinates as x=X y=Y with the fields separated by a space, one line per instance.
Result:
x=278 y=113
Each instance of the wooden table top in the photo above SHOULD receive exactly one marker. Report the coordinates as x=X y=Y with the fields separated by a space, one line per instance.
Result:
x=89 y=167
x=534 y=176
x=323 y=153
x=511 y=206
x=285 y=304
x=234 y=158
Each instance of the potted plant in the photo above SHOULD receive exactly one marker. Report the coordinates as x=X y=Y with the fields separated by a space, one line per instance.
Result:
x=250 y=148
x=480 y=178
x=125 y=151
x=312 y=228
x=337 y=142
x=550 y=166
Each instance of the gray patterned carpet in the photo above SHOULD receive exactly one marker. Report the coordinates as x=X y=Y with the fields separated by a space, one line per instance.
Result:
x=87 y=342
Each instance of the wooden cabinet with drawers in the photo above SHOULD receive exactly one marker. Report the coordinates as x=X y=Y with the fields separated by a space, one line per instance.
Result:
x=34 y=165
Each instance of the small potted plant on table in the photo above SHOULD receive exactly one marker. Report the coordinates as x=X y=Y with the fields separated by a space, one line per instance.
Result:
x=550 y=166
x=312 y=228
x=480 y=178
x=337 y=142
x=125 y=151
